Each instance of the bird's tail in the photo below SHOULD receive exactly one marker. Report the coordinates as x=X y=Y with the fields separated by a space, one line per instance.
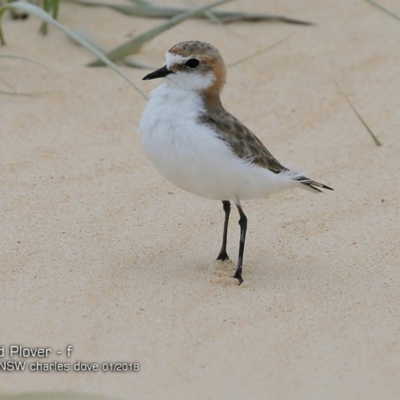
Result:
x=311 y=185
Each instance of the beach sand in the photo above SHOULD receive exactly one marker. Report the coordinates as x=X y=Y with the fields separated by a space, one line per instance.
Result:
x=99 y=252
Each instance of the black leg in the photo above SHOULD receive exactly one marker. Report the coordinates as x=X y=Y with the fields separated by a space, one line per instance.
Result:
x=223 y=255
x=243 y=228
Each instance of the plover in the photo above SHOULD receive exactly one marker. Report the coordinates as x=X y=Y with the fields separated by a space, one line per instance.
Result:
x=202 y=148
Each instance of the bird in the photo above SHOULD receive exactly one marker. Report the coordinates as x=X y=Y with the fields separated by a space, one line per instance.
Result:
x=200 y=147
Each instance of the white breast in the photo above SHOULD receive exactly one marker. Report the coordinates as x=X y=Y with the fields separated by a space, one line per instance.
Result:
x=191 y=156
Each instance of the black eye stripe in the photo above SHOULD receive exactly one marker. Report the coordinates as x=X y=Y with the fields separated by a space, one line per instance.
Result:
x=192 y=63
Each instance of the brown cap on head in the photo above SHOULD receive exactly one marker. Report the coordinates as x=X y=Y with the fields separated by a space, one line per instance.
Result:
x=194 y=47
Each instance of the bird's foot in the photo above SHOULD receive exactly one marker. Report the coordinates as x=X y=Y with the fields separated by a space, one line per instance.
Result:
x=223 y=255
x=238 y=276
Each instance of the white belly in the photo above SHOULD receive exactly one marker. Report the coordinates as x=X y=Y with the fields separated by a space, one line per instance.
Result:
x=192 y=157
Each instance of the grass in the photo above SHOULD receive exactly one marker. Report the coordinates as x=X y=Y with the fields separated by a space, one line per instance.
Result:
x=141 y=8
x=45 y=17
x=146 y=9
x=134 y=44
x=385 y=10
x=375 y=139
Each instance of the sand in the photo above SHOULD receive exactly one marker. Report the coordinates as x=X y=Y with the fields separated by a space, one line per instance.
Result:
x=99 y=252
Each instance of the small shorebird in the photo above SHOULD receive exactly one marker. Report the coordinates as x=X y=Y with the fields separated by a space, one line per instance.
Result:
x=202 y=148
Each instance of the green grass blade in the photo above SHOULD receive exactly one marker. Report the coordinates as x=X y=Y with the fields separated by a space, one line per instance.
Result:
x=136 y=64
x=2 y=11
x=56 y=7
x=43 y=28
x=392 y=14
x=142 y=2
x=134 y=44
x=141 y=10
x=93 y=42
x=38 y=12
x=154 y=11
x=208 y=13
x=49 y=5
x=89 y=39
x=376 y=140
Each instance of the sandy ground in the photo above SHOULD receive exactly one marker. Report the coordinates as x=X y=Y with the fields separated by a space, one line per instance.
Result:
x=99 y=252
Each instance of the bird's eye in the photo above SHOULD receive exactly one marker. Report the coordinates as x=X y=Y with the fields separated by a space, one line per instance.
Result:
x=192 y=63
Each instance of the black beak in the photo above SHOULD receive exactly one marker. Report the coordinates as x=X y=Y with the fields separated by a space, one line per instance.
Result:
x=159 y=73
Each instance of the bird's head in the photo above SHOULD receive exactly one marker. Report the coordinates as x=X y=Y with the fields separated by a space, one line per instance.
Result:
x=193 y=65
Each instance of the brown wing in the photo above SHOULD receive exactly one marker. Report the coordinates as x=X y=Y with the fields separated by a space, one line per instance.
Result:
x=242 y=141
x=246 y=145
